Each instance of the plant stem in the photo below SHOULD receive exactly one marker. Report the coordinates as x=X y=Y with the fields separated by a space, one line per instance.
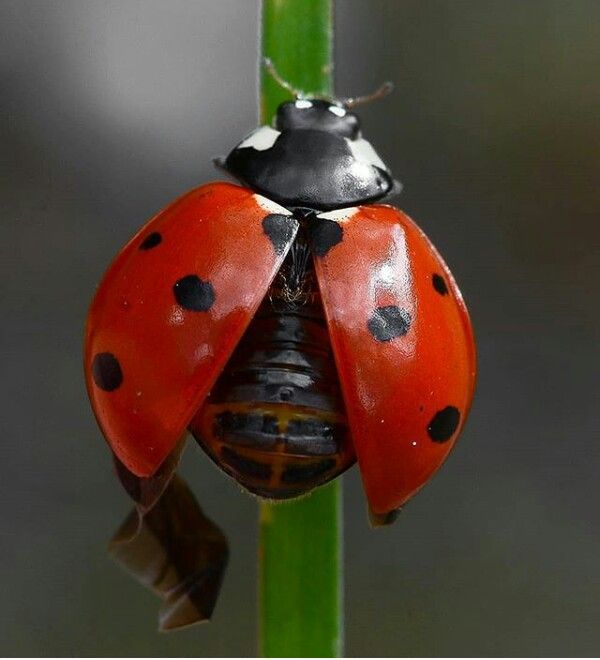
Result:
x=297 y=36
x=300 y=553
x=301 y=576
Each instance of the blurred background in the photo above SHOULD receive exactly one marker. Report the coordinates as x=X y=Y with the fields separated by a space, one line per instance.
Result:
x=110 y=109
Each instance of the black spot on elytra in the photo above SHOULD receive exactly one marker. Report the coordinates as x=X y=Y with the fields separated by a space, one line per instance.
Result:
x=151 y=241
x=194 y=294
x=324 y=234
x=280 y=229
x=444 y=424
x=439 y=284
x=106 y=371
x=389 y=322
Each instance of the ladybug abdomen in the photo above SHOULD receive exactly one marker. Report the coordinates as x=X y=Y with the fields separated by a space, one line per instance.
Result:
x=275 y=420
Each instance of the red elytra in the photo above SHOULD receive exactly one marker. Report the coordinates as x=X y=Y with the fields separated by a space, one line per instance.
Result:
x=213 y=243
x=178 y=298
x=404 y=349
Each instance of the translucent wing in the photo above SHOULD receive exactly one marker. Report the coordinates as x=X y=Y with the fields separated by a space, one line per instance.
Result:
x=176 y=551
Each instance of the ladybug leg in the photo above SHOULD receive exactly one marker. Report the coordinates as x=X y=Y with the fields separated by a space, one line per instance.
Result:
x=171 y=547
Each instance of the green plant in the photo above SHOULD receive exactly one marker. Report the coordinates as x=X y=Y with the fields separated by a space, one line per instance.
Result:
x=300 y=553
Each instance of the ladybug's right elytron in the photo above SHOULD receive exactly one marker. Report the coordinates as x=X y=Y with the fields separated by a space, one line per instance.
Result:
x=291 y=324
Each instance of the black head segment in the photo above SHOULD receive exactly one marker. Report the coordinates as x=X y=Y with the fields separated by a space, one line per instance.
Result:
x=313 y=156
x=318 y=115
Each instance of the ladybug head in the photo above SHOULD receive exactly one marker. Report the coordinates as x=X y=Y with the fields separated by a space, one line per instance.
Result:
x=313 y=156
x=318 y=115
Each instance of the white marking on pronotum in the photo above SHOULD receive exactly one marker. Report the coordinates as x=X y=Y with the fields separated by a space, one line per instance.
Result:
x=364 y=153
x=270 y=206
x=337 y=110
x=303 y=103
x=260 y=139
x=339 y=215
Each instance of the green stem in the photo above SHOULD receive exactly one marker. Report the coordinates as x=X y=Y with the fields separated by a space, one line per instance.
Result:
x=301 y=576
x=300 y=552
x=297 y=36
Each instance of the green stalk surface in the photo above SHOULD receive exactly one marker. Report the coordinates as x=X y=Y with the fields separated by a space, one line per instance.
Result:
x=300 y=554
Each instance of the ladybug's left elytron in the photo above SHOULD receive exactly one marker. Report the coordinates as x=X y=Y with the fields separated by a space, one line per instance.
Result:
x=289 y=324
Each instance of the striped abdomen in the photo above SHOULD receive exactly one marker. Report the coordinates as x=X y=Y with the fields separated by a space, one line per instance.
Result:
x=275 y=420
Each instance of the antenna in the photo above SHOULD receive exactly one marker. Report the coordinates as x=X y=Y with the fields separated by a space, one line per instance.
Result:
x=272 y=71
x=384 y=90
x=380 y=93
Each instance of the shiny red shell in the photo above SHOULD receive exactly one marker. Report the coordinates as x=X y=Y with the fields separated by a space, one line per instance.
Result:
x=171 y=309
x=403 y=346
x=178 y=298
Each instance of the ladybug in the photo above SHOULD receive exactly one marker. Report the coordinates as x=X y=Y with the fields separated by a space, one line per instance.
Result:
x=291 y=322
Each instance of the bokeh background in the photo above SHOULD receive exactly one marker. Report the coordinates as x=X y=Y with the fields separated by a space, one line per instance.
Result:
x=112 y=108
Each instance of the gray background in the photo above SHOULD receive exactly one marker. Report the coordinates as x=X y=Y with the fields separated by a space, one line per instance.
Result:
x=111 y=109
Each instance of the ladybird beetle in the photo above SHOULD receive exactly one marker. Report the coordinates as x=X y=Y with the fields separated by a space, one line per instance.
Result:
x=291 y=324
